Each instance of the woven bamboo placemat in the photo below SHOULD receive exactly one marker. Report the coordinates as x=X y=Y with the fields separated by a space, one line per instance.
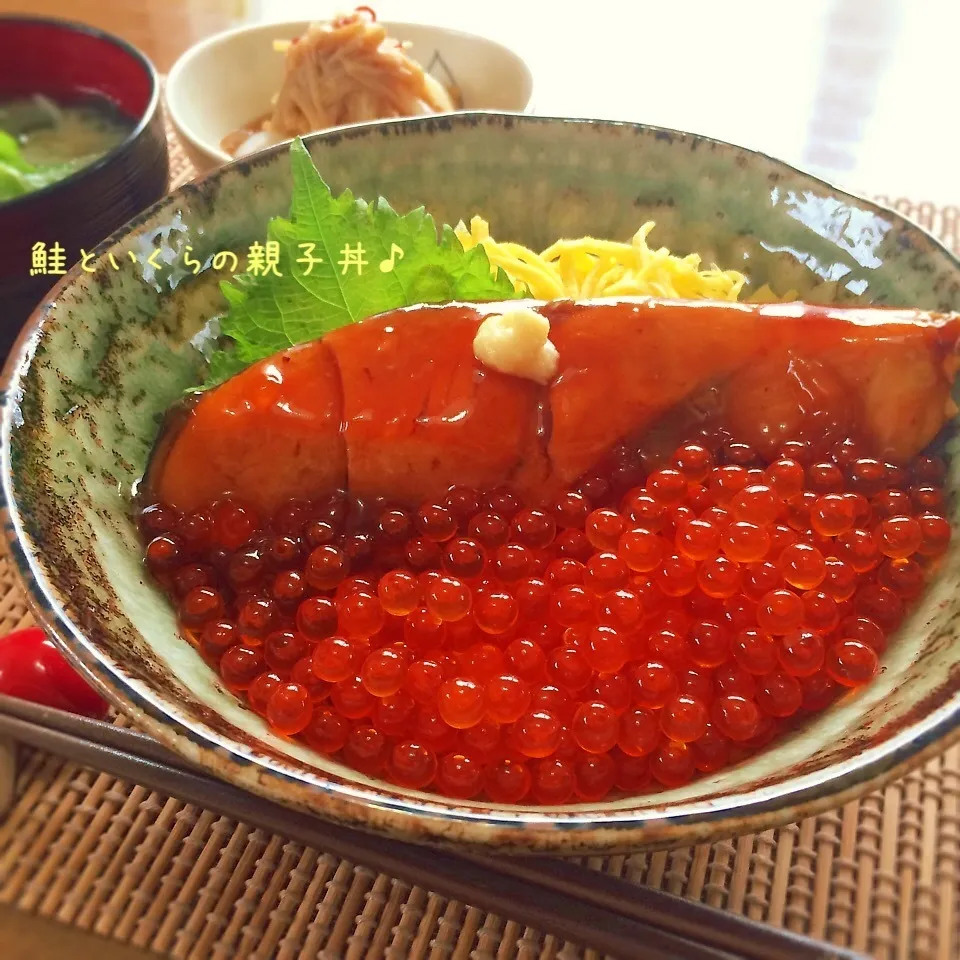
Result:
x=881 y=874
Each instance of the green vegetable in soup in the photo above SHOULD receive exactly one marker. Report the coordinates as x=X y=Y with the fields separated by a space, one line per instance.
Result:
x=18 y=177
x=42 y=143
x=10 y=152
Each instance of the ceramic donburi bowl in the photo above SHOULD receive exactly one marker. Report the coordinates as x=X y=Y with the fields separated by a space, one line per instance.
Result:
x=111 y=350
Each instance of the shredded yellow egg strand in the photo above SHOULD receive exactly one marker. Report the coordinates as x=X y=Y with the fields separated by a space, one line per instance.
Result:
x=589 y=267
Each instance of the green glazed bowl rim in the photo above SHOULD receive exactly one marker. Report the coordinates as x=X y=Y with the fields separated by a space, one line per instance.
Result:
x=436 y=820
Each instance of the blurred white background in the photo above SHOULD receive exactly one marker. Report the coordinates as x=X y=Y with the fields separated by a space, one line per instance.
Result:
x=863 y=92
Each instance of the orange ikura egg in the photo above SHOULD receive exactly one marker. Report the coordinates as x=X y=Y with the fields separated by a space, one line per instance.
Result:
x=677 y=575
x=900 y=537
x=757 y=503
x=780 y=611
x=461 y=703
x=851 y=663
x=412 y=764
x=804 y=567
x=698 y=539
x=785 y=477
x=719 y=577
x=448 y=598
x=934 y=534
x=694 y=462
x=495 y=611
x=684 y=719
x=641 y=549
x=459 y=775
x=745 y=542
x=672 y=764
x=399 y=592
x=603 y=528
x=536 y=734
x=289 y=708
x=595 y=727
x=554 y=781
x=507 y=698
x=668 y=486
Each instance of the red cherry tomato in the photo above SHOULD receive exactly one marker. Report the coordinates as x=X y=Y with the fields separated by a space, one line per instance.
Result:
x=32 y=668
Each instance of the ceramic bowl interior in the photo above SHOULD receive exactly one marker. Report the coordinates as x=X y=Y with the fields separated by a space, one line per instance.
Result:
x=99 y=364
x=239 y=73
x=66 y=61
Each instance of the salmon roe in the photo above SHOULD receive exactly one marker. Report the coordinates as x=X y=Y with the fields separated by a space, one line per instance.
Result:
x=630 y=635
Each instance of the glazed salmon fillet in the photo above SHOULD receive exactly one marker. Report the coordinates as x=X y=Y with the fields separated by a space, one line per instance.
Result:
x=271 y=433
x=398 y=405
x=420 y=413
x=395 y=405
x=886 y=374
x=622 y=365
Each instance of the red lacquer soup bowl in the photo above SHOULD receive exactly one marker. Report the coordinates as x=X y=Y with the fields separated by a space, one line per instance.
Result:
x=66 y=63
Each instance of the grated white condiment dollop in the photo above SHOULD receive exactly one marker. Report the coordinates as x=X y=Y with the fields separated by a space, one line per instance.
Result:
x=517 y=342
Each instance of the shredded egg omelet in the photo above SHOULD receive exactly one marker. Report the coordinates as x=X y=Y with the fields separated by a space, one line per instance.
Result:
x=590 y=268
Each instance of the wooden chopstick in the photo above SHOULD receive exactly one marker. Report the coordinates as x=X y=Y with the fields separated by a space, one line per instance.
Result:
x=724 y=930
x=617 y=917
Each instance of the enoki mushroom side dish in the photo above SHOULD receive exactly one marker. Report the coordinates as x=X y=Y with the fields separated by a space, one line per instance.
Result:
x=344 y=71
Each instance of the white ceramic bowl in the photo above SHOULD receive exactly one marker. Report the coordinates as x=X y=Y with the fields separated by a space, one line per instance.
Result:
x=227 y=80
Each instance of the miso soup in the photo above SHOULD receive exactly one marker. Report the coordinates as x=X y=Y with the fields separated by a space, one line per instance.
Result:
x=43 y=142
